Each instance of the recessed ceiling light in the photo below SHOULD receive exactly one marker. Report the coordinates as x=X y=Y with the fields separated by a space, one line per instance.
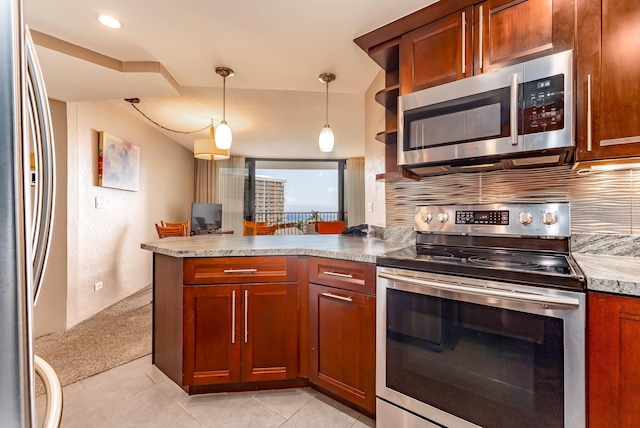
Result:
x=109 y=21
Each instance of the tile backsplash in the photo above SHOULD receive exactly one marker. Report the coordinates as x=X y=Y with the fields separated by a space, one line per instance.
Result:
x=606 y=202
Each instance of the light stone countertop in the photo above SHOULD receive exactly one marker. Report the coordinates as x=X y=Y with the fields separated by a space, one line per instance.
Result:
x=331 y=246
x=611 y=274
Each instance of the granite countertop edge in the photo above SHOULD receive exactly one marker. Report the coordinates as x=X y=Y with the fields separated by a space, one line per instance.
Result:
x=614 y=274
x=610 y=274
x=336 y=247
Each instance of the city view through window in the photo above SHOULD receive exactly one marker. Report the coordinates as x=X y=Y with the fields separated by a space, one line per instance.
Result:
x=297 y=193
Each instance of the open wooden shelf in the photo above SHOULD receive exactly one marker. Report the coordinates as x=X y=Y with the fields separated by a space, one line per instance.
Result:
x=386 y=55
x=388 y=136
x=388 y=97
x=401 y=174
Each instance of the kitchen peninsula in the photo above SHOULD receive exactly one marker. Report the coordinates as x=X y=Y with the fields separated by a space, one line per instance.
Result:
x=252 y=312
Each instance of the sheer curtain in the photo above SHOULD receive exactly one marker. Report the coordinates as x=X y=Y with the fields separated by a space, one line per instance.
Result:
x=355 y=191
x=229 y=191
x=204 y=179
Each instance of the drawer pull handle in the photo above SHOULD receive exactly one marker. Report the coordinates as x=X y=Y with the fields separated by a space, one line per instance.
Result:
x=341 y=275
x=233 y=316
x=246 y=316
x=240 y=270
x=335 y=296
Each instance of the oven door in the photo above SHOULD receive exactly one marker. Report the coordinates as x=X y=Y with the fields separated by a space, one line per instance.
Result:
x=462 y=352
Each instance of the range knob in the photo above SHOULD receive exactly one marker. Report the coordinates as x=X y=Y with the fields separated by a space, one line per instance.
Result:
x=427 y=217
x=443 y=217
x=525 y=218
x=549 y=218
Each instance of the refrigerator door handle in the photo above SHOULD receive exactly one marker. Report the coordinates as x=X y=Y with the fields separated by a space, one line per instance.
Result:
x=39 y=121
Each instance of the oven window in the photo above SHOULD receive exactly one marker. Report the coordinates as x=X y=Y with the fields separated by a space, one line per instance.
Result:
x=490 y=366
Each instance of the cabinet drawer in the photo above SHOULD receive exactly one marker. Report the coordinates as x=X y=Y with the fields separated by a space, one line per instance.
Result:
x=354 y=276
x=235 y=270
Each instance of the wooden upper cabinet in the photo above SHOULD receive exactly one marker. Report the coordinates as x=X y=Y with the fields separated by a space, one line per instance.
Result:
x=512 y=31
x=608 y=83
x=437 y=53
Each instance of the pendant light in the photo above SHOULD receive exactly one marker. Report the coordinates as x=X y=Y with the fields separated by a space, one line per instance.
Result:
x=326 y=140
x=223 y=132
x=205 y=148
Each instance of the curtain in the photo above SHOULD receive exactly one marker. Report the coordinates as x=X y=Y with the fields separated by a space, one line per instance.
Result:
x=204 y=179
x=229 y=191
x=355 y=191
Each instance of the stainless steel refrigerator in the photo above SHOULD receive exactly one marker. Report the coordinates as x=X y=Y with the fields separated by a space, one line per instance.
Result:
x=26 y=218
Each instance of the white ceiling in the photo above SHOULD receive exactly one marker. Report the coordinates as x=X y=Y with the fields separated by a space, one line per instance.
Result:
x=275 y=102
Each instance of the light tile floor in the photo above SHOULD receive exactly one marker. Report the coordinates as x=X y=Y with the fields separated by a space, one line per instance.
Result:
x=137 y=394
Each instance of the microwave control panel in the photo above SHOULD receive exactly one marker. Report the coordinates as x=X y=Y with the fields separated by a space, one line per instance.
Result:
x=543 y=105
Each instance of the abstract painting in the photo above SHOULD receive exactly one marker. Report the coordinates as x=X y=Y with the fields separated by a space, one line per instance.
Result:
x=118 y=163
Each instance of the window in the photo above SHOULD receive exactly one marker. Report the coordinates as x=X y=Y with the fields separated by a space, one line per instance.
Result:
x=295 y=191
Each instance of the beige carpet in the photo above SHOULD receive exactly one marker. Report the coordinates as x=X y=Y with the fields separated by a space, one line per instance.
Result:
x=118 y=334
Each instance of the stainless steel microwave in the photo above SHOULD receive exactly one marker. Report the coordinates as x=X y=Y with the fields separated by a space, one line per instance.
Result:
x=518 y=116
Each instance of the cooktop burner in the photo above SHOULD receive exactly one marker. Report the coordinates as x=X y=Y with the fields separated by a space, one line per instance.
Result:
x=531 y=268
x=499 y=259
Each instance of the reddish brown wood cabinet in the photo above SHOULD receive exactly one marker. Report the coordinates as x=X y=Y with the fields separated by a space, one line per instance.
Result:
x=437 y=53
x=451 y=40
x=342 y=330
x=229 y=320
x=238 y=333
x=614 y=361
x=508 y=32
x=608 y=87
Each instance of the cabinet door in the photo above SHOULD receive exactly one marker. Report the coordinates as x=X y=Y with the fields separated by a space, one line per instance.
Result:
x=509 y=32
x=211 y=348
x=608 y=84
x=269 y=332
x=614 y=361
x=342 y=341
x=437 y=53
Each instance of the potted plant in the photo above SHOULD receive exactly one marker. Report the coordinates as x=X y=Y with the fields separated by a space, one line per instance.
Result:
x=311 y=222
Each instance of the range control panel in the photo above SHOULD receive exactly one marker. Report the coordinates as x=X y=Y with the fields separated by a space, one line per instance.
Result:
x=539 y=219
x=482 y=217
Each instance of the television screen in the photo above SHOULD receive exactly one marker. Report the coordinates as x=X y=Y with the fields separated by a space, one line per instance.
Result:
x=207 y=217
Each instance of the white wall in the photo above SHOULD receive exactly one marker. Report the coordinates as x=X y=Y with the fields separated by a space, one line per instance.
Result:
x=104 y=244
x=374 y=155
x=50 y=312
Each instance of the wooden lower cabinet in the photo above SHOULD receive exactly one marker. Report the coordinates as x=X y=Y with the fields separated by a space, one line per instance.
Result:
x=211 y=349
x=614 y=361
x=342 y=342
x=240 y=333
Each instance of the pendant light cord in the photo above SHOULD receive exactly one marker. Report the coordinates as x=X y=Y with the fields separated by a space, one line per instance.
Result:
x=224 y=97
x=164 y=127
x=327 y=110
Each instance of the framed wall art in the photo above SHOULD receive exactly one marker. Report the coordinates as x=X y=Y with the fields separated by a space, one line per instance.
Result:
x=118 y=163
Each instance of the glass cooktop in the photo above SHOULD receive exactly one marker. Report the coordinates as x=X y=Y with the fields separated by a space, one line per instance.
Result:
x=534 y=268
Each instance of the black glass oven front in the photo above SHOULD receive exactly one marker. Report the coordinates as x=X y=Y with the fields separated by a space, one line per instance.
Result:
x=490 y=366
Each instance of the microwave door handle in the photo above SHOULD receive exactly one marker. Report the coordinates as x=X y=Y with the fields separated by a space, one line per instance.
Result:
x=513 y=109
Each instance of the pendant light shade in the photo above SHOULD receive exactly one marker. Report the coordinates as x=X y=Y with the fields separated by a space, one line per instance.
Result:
x=223 y=132
x=223 y=136
x=326 y=139
x=205 y=148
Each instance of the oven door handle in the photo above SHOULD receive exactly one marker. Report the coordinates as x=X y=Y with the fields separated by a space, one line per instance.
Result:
x=547 y=302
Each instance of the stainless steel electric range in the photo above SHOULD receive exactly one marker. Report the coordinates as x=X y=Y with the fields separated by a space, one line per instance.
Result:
x=482 y=323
